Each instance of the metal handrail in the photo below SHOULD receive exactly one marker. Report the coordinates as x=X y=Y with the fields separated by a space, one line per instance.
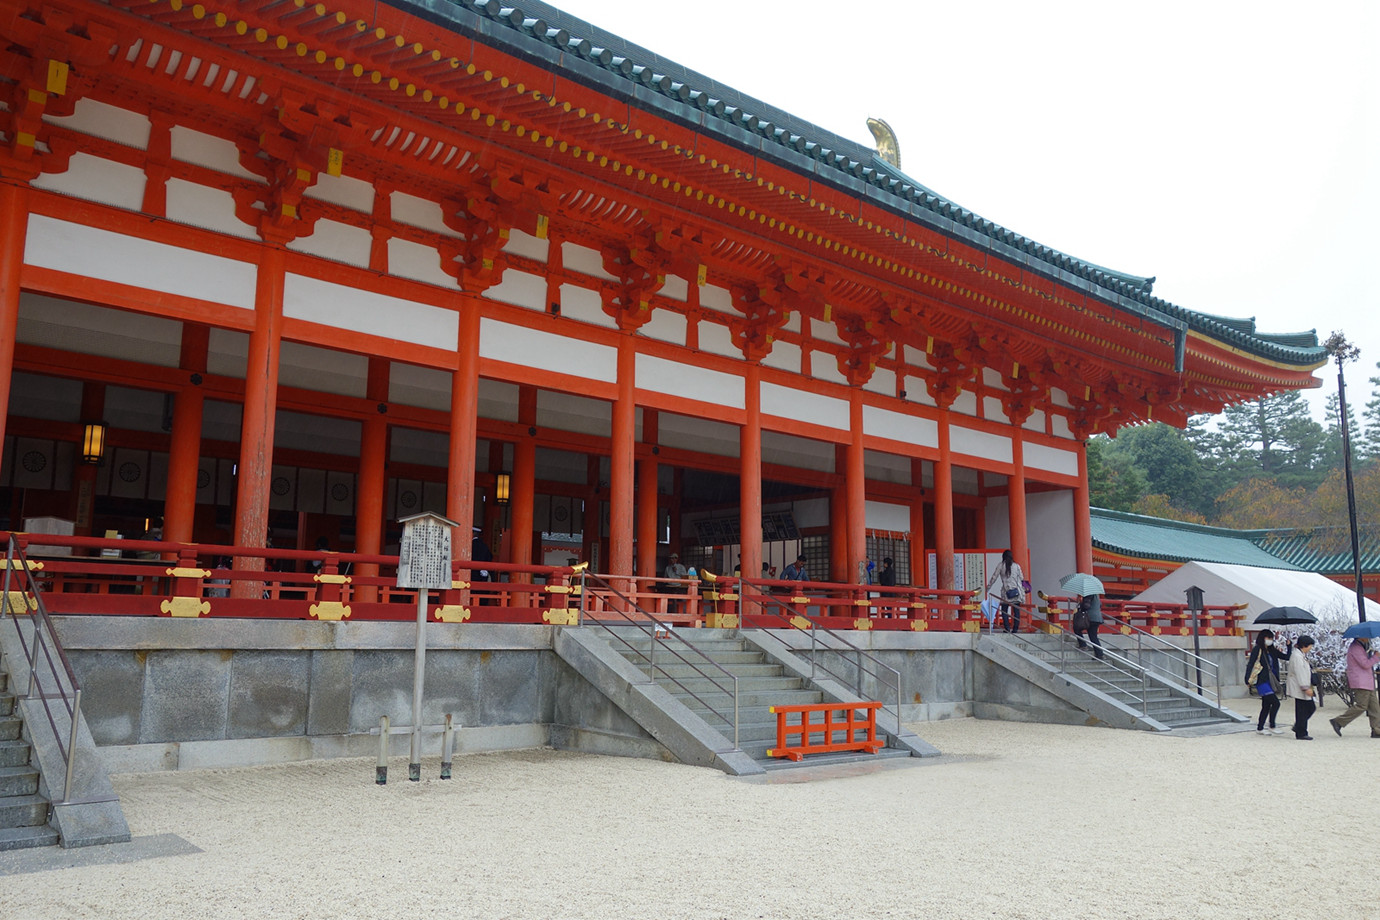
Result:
x=1190 y=659
x=814 y=631
x=660 y=633
x=45 y=639
x=1119 y=663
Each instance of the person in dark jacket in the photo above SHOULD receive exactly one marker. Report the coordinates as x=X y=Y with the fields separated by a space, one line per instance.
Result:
x=887 y=576
x=1262 y=673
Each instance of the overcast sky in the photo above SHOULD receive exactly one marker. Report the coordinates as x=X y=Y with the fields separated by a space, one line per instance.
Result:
x=1232 y=150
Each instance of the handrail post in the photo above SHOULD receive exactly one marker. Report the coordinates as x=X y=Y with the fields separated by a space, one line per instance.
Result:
x=72 y=745
x=736 y=747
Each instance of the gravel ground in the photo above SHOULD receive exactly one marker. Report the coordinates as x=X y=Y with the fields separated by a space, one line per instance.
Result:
x=1016 y=821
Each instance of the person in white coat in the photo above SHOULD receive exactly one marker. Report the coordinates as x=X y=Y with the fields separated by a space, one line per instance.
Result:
x=1300 y=686
x=1010 y=591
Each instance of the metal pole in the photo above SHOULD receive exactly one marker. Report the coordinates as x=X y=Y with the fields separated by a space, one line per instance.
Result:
x=1197 y=652
x=381 y=774
x=1350 y=493
x=735 y=713
x=447 y=746
x=414 y=766
x=72 y=745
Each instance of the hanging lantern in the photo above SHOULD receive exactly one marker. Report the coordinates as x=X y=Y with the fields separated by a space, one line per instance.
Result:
x=93 y=442
x=503 y=484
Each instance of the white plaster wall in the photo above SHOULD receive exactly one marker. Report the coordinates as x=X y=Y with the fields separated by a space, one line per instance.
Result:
x=717 y=340
x=227 y=354
x=813 y=512
x=1036 y=422
x=786 y=402
x=109 y=256
x=364 y=311
x=997 y=518
x=965 y=403
x=209 y=208
x=107 y=121
x=801 y=453
x=95 y=179
x=319 y=369
x=675 y=288
x=533 y=348
x=519 y=289
x=783 y=355
x=882 y=381
x=71 y=326
x=909 y=429
x=665 y=326
x=523 y=244
x=336 y=241
x=1052 y=459
x=412 y=385
x=407 y=259
x=718 y=299
x=584 y=260
x=689 y=381
x=992 y=409
x=585 y=305
x=825 y=367
x=567 y=412
x=206 y=150
x=1059 y=426
x=498 y=399
x=698 y=434
x=884 y=467
x=886 y=516
x=1050 y=514
x=979 y=444
x=346 y=191
x=418 y=212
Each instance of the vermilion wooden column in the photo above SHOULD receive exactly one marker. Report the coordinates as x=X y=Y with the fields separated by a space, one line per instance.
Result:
x=750 y=474
x=524 y=481
x=184 y=449
x=14 y=223
x=944 y=508
x=855 y=484
x=1082 y=515
x=373 y=478
x=464 y=430
x=838 y=519
x=260 y=407
x=1015 y=499
x=918 y=567
x=647 y=498
x=621 y=469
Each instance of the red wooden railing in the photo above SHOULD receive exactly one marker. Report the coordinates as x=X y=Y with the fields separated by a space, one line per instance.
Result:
x=833 y=734
x=1155 y=618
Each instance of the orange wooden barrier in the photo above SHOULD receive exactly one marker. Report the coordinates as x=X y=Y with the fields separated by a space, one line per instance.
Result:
x=857 y=717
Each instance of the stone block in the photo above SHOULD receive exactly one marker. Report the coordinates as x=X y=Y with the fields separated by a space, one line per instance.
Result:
x=268 y=694
x=509 y=687
x=185 y=695
x=382 y=686
x=328 y=692
x=112 y=700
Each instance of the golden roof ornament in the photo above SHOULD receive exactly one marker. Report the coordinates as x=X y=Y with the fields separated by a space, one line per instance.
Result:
x=888 y=148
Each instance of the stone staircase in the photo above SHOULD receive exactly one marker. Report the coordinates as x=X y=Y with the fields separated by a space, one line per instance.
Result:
x=1112 y=689
x=762 y=683
x=24 y=813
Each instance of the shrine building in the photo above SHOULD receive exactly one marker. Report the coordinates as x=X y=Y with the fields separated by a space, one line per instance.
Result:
x=289 y=271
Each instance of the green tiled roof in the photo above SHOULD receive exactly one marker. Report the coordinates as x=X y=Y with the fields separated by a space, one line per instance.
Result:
x=585 y=53
x=1174 y=541
x=1318 y=550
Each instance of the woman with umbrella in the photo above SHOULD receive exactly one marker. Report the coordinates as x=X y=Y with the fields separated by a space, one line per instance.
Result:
x=1360 y=676
x=1262 y=673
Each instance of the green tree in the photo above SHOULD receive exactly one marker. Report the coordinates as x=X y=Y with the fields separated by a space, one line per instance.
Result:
x=1161 y=507
x=1367 y=444
x=1263 y=504
x=1330 y=457
x=1113 y=480
x=1170 y=465
x=1274 y=436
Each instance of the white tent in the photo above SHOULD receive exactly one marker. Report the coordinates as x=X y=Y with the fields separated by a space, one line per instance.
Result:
x=1258 y=588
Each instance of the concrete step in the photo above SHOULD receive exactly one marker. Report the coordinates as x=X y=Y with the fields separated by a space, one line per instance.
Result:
x=729 y=659
x=23 y=838
x=14 y=753
x=723 y=702
x=18 y=781
x=4 y=681
x=710 y=648
x=679 y=671
x=23 y=811
x=722 y=684
x=757 y=750
x=827 y=760
x=10 y=728
x=7 y=704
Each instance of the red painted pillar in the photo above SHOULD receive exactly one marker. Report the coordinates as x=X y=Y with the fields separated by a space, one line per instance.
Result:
x=621 y=480
x=918 y=563
x=1082 y=515
x=944 y=508
x=184 y=449
x=464 y=427
x=1015 y=487
x=373 y=478
x=648 y=513
x=855 y=484
x=524 y=482
x=838 y=518
x=750 y=474
x=14 y=225
x=260 y=408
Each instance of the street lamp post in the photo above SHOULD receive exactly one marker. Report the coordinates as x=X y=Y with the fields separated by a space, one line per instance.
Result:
x=1343 y=351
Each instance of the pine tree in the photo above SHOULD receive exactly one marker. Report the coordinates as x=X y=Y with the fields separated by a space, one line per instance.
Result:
x=1274 y=436
x=1330 y=457
x=1366 y=445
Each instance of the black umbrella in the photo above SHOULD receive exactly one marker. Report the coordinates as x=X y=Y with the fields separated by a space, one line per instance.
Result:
x=1284 y=616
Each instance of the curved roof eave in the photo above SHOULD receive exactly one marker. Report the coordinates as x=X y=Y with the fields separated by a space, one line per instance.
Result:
x=790 y=142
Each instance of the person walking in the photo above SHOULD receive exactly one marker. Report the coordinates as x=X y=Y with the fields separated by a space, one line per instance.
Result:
x=1360 y=677
x=1300 y=686
x=1262 y=673
x=1010 y=592
x=887 y=576
x=1088 y=620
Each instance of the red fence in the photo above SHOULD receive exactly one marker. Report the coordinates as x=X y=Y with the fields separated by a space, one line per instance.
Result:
x=1157 y=619
x=828 y=734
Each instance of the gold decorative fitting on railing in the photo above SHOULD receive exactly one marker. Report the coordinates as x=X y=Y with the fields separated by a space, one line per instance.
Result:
x=561 y=616
x=919 y=625
x=329 y=610
x=330 y=579
x=862 y=623
x=726 y=596
x=721 y=620
x=185 y=607
x=919 y=605
x=18 y=600
x=800 y=600
x=579 y=569
x=452 y=613
x=33 y=564
x=972 y=626
x=188 y=573
x=862 y=603
x=800 y=622
x=557 y=589
x=459 y=585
